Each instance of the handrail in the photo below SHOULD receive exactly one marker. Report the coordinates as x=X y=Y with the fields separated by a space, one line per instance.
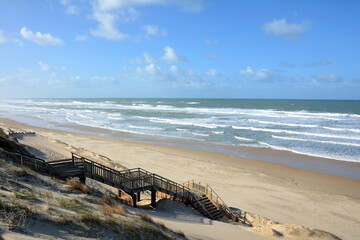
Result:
x=217 y=201
x=142 y=178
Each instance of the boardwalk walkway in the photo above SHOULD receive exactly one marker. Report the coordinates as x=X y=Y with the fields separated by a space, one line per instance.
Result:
x=136 y=180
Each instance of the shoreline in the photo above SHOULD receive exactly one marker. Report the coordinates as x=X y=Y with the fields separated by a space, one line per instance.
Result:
x=280 y=193
x=267 y=167
x=347 y=169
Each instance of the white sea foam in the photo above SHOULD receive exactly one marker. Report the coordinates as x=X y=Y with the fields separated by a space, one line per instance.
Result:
x=181 y=129
x=317 y=141
x=201 y=134
x=343 y=129
x=284 y=124
x=339 y=158
x=193 y=103
x=146 y=128
x=296 y=133
x=115 y=118
x=244 y=139
x=185 y=123
x=83 y=116
x=218 y=132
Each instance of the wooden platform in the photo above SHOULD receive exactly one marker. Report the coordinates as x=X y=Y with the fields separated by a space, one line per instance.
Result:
x=136 y=180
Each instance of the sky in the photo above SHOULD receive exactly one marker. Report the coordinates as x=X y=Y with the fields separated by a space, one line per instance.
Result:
x=279 y=49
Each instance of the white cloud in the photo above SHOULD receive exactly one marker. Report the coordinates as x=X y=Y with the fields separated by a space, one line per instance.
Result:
x=282 y=28
x=18 y=42
x=72 y=9
x=3 y=38
x=170 y=56
x=40 y=38
x=152 y=30
x=262 y=75
x=47 y=68
x=107 y=27
x=109 y=12
x=173 y=75
x=187 y=5
x=329 y=78
x=174 y=69
x=152 y=69
x=79 y=38
x=212 y=73
x=148 y=58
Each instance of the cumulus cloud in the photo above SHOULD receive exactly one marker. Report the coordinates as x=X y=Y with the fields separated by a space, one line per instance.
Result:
x=40 y=38
x=72 y=9
x=173 y=75
x=329 y=78
x=47 y=68
x=282 y=28
x=69 y=7
x=151 y=30
x=261 y=75
x=107 y=26
x=109 y=12
x=171 y=56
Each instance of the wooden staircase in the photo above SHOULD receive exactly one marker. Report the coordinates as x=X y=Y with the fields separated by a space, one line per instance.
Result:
x=66 y=168
x=209 y=209
x=133 y=181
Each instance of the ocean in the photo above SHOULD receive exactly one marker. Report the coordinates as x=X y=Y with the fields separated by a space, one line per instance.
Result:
x=319 y=128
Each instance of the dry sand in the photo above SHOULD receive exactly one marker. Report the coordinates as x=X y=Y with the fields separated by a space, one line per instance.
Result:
x=286 y=195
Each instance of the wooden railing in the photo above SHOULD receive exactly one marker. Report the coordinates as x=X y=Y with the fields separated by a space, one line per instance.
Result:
x=130 y=180
x=31 y=162
x=205 y=189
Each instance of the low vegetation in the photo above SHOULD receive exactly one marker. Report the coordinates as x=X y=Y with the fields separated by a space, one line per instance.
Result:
x=27 y=197
x=77 y=185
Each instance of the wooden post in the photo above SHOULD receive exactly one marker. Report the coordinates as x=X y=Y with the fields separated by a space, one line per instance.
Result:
x=133 y=196
x=119 y=193
x=82 y=179
x=138 y=196
x=21 y=160
x=153 y=198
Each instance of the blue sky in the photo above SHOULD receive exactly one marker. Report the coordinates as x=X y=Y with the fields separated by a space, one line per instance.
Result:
x=172 y=48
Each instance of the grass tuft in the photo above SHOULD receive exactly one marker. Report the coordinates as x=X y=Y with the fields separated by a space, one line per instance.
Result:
x=145 y=217
x=77 y=185
x=110 y=206
x=27 y=172
x=23 y=194
x=73 y=205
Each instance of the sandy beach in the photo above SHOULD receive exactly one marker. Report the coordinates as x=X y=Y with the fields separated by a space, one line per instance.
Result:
x=290 y=196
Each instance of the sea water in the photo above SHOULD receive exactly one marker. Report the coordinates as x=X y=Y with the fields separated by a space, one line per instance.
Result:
x=322 y=128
